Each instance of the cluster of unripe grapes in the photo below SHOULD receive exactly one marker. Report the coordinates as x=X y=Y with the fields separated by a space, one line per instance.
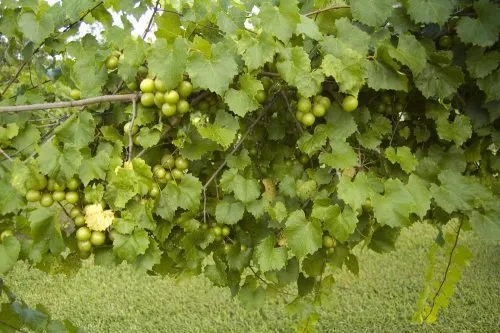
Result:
x=308 y=111
x=154 y=92
x=170 y=168
x=112 y=60
x=389 y=104
x=46 y=192
x=220 y=231
x=211 y=103
x=85 y=237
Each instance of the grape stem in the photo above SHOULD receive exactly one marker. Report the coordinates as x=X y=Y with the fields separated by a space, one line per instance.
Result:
x=130 y=141
x=450 y=259
x=238 y=144
x=71 y=104
x=5 y=154
x=326 y=9
x=283 y=95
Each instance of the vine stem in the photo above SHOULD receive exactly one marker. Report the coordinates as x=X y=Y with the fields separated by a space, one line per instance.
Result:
x=446 y=271
x=130 y=141
x=71 y=104
x=326 y=9
x=237 y=145
x=283 y=95
x=148 y=28
x=5 y=154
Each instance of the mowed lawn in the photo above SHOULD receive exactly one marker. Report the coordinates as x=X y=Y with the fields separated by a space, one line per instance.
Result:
x=381 y=299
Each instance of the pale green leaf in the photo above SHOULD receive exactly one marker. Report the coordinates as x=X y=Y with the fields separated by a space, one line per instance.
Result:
x=308 y=27
x=222 y=131
x=410 y=53
x=380 y=76
x=280 y=22
x=214 y=74
x=458 y=131
x=229 y=211
x=402 y=156
x=9 y=252
x=371 y=12
x=393 y=208
x=430 y=11
x=129 y=247
x=168 y=61
x=304 y=236
x=342 y=156
x=353 y=36
x=256 y=51
x=77 y=130
x=268 y=257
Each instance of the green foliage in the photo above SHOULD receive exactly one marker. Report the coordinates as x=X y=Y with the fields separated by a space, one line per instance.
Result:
x=214 y=172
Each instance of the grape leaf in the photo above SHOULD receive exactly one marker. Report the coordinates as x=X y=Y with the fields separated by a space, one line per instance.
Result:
x=168 y=61
x=46 y=234
x=257 y=51
x=215 y=73
x=11 y=200
x=229 y=211
x=77 y=131
x=252 y=296
x=35 y=27
x=459 y=130
x=341 y=157
x=295 y=68
x=457 y=192
x=60 y=165
x=353 y=36
x=421 y=194
x=243 y=101
x=491 y=86
x=430 y=11
x=217 y=273
x=340 y=124
x=410 y=52
x=304 y=236
x=441 y=82
x=268 y=257
x=486 y=226
x=355 y=193
x=311 y=144
x=9 y=252
x=185 y=195
x=145 y=262
x=133 y=54
x=340 y=224
x=223 y=131
x=237 y=259
x=479 y=63
x=345 y=65
x=169 y=26
x=129 y=247
x=482 y=30
x=371 y=12
x=308 y=27
x=402 y=156
x=381 y=76
x=393 y=208
x=245 y=189
x=280 y=22
x=94 y=167
x=148 y=137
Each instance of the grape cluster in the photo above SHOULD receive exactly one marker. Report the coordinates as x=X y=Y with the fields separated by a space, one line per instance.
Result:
x=171 y=167
x=46 y=192
x=308 y=111
x=173 y=102
x=388 y=103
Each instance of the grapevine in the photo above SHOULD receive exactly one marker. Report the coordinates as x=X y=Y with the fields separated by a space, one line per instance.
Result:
x=260 y=143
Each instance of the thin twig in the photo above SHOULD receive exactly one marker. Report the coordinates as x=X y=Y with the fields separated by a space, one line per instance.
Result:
x=130 y=141
x=450 y=259
x=71 y=104
x=238 y=144
x=327 y=9
x=65 y=211
x=5 y=154
x=268 y=284
x=155 y=10
x=14 y=78
x=283 y=95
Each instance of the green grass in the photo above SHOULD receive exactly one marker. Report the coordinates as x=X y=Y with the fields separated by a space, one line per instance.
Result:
x=382 y=299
